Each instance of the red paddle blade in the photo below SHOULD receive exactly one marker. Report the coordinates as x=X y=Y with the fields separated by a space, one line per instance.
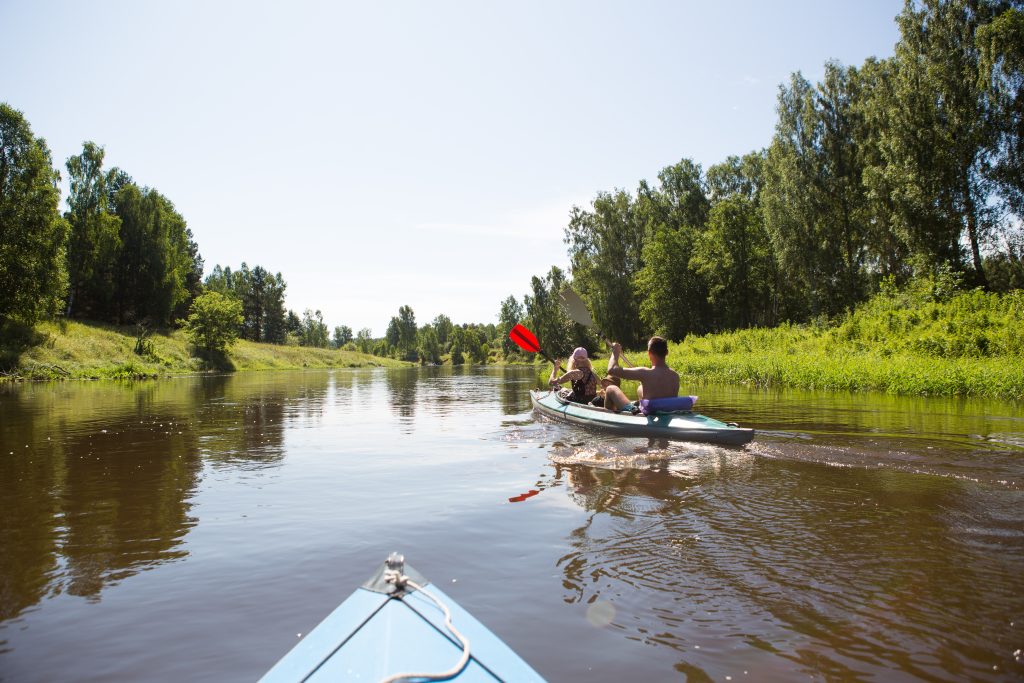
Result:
x=524 y=339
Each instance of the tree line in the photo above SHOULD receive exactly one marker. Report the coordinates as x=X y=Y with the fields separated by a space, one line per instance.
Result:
x=121 y=253
x=901 y=167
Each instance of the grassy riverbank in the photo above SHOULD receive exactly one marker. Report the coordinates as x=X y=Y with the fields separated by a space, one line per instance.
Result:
x=76 y=350
x=921 y=341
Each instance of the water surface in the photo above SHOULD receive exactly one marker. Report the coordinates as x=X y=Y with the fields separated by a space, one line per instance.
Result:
x=197 y=528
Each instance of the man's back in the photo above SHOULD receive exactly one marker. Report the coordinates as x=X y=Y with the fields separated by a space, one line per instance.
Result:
x=660 y=381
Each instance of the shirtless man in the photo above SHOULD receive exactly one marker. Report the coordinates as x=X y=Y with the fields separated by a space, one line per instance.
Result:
x=657 y=381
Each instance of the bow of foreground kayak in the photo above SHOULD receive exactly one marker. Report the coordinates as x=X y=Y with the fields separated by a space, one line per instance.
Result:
x=682 y=426
x=393 y=626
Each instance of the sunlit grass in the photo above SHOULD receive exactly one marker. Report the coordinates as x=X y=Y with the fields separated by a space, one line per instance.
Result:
x=910 y=342
x=77 y=350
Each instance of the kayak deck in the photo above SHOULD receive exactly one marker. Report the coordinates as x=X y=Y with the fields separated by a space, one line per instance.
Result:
x=674 y=426
x=373 y=635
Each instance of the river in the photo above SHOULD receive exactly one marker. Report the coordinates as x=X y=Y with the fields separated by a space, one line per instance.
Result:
x=195 y=528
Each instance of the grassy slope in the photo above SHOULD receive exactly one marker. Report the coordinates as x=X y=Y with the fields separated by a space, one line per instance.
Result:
x=78 y=350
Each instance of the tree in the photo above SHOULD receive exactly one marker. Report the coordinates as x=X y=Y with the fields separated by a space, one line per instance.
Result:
x=939 y=135
x=479 y=353
x=429 y=348
x=33 y=236
x=261 y=294
x=153 y=260
x=605 y=246
x=671 y=296
x=364 y=340
x=94 y=238
x=392 y=334
x=737 y=177
x=442 y=326
x=407 y=333
x=342 y=335
x=510 y=315
x=813 y=200
x=313 y=332
x=545 y=316
x=1001 y=46
x=213 y=322
x=668 y=307
x=456 y=353
x=735 y=258
x=293 y=324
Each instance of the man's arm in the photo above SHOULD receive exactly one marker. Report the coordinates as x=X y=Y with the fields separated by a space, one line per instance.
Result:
x=626 y=373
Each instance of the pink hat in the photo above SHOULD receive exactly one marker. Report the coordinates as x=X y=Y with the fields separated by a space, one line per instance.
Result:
x=580 y=353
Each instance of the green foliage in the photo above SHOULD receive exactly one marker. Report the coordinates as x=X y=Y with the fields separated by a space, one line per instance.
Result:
x=407 y=332
x=939 y=134
x=261 y=294
x=342 y=335
x=213 y=322
x=921 y=339
x=429 y=348
x=364 y=340
x=443 y=327
x=1001 y=47
x=131 y=256
x=95 y=240
x=510 y=315
x=545 y=316
x=457 y=350
x=814 y=205
x=33 y=236
x=734 y=256
x=313 y=331
x=154 y=259
x=605 y=247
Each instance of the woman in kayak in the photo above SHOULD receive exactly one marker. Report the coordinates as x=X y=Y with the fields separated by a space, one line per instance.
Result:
x=580 y=373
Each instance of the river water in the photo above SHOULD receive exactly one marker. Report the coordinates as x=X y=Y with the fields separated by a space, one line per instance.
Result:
x=194 y=529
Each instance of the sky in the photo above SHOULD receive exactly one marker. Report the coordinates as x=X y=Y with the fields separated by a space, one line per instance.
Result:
x=381 y=154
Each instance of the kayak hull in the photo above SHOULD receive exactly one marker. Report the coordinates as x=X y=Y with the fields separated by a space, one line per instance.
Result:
x=675 y=426
x=373 y=635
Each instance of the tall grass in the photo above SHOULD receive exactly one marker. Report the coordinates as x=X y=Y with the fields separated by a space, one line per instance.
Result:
x=915 y=341
x=926 y=340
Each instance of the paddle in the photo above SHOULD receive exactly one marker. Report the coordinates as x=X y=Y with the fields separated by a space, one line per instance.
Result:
x=525 y=340
x=577 y=310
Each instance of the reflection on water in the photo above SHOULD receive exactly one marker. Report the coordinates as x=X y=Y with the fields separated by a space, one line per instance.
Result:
x=190 y=528
x=96 y=481
x=867 y=570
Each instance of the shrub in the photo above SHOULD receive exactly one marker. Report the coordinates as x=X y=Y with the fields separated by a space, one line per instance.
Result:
x=213 y=322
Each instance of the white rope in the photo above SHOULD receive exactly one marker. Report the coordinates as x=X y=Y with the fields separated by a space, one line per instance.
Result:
x=403 y=580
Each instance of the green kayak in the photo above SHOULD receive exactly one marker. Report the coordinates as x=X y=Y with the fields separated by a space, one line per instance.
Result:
x=678 y=426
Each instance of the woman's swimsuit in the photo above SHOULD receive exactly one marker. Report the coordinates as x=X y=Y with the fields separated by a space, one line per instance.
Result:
x=585 y=388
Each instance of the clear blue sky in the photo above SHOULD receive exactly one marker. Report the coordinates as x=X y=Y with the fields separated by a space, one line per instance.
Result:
x=410 y=153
